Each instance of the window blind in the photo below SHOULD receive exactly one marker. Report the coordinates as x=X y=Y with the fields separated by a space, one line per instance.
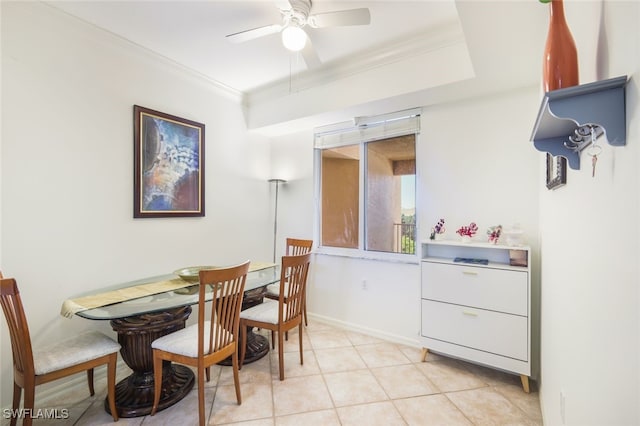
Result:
x=364 y=129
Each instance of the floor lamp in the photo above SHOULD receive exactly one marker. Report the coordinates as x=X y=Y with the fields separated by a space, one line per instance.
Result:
x=275 y=216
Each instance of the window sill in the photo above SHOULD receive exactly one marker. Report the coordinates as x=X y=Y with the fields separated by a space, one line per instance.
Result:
x=411 y=259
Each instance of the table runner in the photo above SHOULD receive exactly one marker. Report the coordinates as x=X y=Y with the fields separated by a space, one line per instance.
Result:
x=71 y=306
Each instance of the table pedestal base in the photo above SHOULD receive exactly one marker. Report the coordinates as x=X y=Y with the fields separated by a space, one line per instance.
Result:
x=257 y=347
x=134 y=395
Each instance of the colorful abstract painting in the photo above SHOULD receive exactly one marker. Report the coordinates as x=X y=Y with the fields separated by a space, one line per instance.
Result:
x=169 y=165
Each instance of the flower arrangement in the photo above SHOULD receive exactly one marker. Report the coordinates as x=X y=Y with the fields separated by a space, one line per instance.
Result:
x=494 y=233
x=468 y=231
x=439 y=229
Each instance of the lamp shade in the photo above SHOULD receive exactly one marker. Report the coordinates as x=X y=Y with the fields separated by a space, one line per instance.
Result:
x=294 y=38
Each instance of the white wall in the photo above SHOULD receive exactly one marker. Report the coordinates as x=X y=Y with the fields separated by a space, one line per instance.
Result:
x=67 y=179
x=292 y=160
x=590 y=253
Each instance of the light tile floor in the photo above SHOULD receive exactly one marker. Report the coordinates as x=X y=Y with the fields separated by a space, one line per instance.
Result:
x=347 y=379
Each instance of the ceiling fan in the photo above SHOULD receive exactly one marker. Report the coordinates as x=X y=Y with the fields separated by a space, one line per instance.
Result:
x=296 y=14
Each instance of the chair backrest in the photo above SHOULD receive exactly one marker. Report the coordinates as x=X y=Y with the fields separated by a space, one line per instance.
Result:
x=227 y=285
x=296 y=247
x=18 y=327
x=293 y=279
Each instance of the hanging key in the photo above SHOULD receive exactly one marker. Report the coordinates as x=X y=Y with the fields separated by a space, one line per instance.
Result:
x=594 y=150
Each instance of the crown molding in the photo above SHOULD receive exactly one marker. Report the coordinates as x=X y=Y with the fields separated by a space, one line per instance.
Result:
x=140 y=51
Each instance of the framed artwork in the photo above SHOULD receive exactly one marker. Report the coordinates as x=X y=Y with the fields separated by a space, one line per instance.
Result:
x=556 y=171
x=168 y=165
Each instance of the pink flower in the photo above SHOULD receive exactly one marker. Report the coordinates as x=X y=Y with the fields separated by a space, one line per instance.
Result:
x=494 y=233
x=469 y=231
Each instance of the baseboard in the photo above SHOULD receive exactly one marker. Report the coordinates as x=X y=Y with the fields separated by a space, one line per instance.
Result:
x=403 y=340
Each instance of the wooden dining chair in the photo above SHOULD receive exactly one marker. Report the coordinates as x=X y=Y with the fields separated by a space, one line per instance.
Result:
x=286 y=313
x=294 y=247
x=213 y=339
x=32 y=367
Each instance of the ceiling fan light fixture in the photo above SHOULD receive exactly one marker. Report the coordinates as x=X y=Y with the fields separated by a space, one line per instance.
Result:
x=294 y=38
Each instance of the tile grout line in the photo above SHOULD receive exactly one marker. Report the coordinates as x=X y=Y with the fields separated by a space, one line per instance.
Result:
x=324 y=381
x=490 y=382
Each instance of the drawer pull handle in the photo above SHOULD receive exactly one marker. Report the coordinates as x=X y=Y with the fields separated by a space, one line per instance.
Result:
x=469 y=273
x=469 y=313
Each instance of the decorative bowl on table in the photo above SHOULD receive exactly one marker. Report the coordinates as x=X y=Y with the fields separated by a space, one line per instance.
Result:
x=192 y=273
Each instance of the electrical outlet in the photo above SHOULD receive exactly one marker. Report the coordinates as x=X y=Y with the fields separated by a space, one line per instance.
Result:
x=364 y=284
x=562 y=406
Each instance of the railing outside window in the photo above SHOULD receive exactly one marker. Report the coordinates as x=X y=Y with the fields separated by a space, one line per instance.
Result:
x=405 y=238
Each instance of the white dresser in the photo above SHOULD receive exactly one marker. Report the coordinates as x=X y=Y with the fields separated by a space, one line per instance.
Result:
x=477 y=312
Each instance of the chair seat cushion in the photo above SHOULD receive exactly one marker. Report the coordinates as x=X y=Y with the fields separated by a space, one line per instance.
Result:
x=273 y=289
x=185 y=341
x=266 y=312
x=73 y=351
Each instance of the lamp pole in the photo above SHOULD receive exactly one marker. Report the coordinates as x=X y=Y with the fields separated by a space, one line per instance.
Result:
x=275 y=216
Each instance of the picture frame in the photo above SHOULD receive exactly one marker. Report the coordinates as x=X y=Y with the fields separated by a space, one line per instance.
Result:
x=168 y=165
x=556 y=171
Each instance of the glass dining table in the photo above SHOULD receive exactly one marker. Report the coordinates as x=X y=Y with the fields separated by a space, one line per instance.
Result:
x=139 y=321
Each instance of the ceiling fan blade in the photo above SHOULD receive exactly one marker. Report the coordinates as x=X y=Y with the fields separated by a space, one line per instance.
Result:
x=254 y=33
x=283 y=4
x=310 y=55
x=340 y=18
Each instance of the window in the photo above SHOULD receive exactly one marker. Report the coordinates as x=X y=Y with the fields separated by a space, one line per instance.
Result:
x=366 y=188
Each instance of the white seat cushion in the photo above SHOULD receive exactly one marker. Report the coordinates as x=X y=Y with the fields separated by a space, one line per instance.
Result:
x=266 y=312
x=185 y=341
x=76 y=350
x=273 y=289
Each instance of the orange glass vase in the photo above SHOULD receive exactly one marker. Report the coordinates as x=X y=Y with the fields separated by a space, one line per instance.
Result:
x=560 y=64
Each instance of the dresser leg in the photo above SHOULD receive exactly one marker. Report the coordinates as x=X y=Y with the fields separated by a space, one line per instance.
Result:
x=423 y=357
x=525 y=382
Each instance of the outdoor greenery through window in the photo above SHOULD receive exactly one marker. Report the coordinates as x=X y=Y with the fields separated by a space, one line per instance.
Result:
x=367 y=179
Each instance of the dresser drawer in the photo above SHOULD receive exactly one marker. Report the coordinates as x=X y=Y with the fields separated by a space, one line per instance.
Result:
x=488 y=331
x=495 y=289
